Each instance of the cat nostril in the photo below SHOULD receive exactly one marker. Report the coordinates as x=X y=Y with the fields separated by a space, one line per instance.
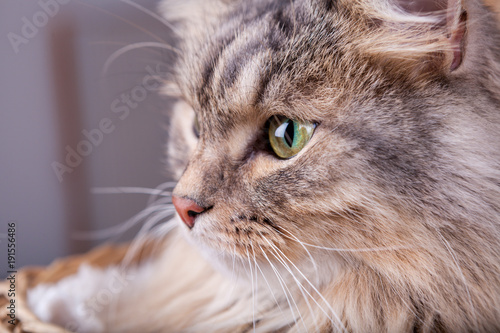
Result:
x=187 y=209
x=192 y=213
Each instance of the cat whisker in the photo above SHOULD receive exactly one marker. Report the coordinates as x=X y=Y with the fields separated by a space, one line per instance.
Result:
x=121 y=19
x=233 y=254
x=265 y=280
x=142 y=235
x=303 y=246
x=162 y=187
x=294 y=34
x=462 y=276
x=299 y=285
x=376 y=249
x=121 y=228
x=153 y=15
x=253 y=288
x=316 y=270
x=234 y=276
x=118 y=53
x=122 y=44
x=276 y=249
x=358 y=250
x=130 y=190
x=285 y=289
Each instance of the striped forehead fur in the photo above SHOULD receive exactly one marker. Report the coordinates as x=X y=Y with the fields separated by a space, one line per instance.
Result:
x=282 y=31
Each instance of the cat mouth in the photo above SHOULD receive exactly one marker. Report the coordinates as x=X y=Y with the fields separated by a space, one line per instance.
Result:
x=237 y=234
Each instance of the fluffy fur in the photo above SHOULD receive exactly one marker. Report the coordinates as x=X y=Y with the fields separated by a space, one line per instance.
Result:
x=388 y=220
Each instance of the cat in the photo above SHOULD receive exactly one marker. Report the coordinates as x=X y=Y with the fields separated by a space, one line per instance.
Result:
x=339 y=171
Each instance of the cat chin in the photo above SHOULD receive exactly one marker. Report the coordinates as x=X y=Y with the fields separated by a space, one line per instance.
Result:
x=219 y=259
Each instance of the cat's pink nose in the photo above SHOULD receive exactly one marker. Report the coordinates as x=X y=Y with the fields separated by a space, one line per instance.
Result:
x=187 y=209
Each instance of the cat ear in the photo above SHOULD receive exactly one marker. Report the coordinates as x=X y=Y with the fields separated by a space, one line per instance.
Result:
x=456 y=25
x=421 y=37
x=451 y=19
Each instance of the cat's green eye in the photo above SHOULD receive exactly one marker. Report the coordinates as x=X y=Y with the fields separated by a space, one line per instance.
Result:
x=288 y=137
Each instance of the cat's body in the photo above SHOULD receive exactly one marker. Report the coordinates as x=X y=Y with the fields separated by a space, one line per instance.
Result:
x=388 y=220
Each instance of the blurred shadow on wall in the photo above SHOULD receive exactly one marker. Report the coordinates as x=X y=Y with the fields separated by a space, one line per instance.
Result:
x=131 y=154
x=67 y=101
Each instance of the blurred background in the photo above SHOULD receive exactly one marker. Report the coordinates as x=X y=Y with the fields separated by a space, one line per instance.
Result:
x=67 y=128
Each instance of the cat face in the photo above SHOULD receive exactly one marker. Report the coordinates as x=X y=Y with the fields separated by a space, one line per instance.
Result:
x=387 y=164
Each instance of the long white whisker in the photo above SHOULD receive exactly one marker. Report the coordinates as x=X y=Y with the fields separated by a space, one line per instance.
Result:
x=129 y=190
x=373 y=249
x=153 y=15
x=452 y=253
x=286 y=291
x=256 y=278
x=304 y=295
x=162 y=187
x=120 y=229
x=146 y=228
x=233 y=274
x=118 y=53
x=305 y=248
x=313 y=287
x=301 y=287
x=83 y=3
x=266 y=281
x=253 y=290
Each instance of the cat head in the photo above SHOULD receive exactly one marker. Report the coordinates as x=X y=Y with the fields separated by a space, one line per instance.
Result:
x=365 y=132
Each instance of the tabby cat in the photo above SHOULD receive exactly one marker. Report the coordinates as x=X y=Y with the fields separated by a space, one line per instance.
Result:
x=343 y=175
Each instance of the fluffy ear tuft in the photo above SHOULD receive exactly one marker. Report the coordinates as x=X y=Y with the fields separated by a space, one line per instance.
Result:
x=452 y=19
x=425 y=36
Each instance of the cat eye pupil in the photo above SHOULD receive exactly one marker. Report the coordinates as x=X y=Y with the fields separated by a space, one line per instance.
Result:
x=286 y=131
x=289 y=134
x=288 y=137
